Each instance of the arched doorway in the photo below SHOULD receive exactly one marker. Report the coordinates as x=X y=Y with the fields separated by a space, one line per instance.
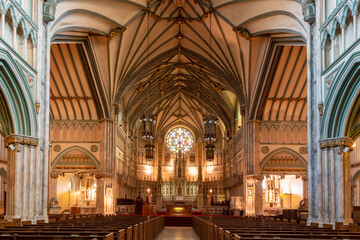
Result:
x=285 y=180
x=73 y=181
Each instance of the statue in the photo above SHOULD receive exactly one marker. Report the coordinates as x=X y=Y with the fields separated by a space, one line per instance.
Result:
x=303 y=204
x=179 y=190
x=53 y=202
x=54 y=207
x=138 y=205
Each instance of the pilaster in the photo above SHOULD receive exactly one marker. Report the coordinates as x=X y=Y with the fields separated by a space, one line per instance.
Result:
x=104 y=194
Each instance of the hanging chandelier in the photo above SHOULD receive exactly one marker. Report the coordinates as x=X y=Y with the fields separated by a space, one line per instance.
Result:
x=148 y=124
x=148 y=120
x=210 y=122
x=210 y=152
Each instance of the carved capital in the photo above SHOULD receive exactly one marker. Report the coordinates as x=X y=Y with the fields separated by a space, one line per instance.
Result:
x=342 y=142
x=309 y=11
x=20 y=139
x=54 y=174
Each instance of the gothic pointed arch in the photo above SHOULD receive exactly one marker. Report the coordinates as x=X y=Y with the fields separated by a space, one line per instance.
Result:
x=283 y=160
x=18 y=114
x=75 y=156
x=342 y=107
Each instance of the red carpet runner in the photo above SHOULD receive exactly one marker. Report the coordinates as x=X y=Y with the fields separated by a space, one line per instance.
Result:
x=178 y=221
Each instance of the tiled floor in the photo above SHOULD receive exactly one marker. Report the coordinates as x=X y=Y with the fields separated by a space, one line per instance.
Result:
x=178 y=233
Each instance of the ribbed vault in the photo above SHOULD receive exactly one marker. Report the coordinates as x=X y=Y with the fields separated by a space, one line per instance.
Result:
x=180 y=60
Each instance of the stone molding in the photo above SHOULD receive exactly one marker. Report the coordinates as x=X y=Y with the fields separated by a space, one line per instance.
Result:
x=21 y=139
x=104 y=175
x=337 y=142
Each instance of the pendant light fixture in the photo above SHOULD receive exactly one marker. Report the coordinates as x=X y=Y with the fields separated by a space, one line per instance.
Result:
x=210 y=122
x=147 y=120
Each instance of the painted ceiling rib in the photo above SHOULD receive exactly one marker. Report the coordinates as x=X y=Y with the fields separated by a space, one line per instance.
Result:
x=59 y=92
x=287 y=85
x=72 y=80
x=79 y=81
x=296 y=86
x=283 y=68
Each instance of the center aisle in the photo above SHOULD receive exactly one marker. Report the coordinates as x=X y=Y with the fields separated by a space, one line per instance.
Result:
x=178 y=233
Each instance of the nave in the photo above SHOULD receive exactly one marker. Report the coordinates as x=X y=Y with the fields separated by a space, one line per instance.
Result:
x=239 y=118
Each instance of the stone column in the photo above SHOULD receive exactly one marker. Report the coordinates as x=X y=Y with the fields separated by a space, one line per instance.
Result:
x=107 y=146
x=311 y=12
x=305 y=187
x=3 y=14
x=259 y=202
x=14 y=26
x=159 y=176
x=53 y=185
x=342 y=44
x=200 y=196
x=336 y=183
x=249 y=196
x=25 y=47
x=354 y=15
x=20 y=180
x=332 y=51
x=253 y=166
x=104 y=194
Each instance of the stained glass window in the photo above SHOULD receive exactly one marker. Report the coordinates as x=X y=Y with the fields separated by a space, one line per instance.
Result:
x=179 y=139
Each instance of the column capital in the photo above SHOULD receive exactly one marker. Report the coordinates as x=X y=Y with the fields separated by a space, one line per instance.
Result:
x=54 y=175
x=20 y=139
x=337 y=142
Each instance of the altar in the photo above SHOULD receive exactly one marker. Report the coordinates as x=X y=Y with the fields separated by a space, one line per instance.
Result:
x=179 y=210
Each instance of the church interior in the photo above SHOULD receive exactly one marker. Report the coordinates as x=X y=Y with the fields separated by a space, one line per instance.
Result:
x=179 y=119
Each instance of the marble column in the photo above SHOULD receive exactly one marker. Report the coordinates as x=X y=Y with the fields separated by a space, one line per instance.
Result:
x=3 y=14
x=342 y=44
x=20 y=178
x=354 y=15
x=335 y=184
x=14 y=43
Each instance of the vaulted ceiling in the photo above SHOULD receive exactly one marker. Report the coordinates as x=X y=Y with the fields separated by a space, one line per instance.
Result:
x=181 y=59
